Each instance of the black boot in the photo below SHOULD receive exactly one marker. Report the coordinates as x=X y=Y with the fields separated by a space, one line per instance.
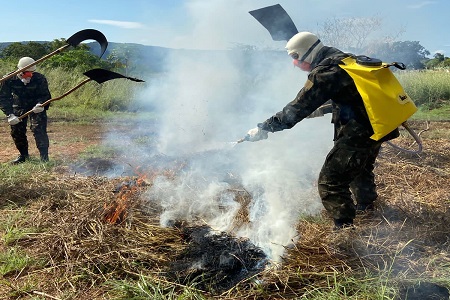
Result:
x=20 y=159
x=44 y=154
x=363 y=208
x=343 y=223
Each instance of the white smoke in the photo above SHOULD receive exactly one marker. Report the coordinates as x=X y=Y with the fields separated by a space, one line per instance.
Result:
x=205 y=103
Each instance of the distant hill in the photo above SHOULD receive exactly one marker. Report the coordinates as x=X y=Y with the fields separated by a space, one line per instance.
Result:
x=95 y=48
x=154 y=58
x=6 y=44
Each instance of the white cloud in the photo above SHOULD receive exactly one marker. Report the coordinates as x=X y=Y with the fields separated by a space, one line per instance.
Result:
x=121 y=24
x=421 y=4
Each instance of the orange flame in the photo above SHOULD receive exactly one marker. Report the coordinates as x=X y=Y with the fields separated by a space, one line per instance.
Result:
x=116 y=212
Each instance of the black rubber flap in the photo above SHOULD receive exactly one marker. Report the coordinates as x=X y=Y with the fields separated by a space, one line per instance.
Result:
x=276 y=20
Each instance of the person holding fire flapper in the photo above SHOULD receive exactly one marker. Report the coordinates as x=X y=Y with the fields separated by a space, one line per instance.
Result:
x=19 y=94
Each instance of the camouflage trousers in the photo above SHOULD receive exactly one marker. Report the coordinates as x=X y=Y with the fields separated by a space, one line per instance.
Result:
x=38 y=125
x=347 y=170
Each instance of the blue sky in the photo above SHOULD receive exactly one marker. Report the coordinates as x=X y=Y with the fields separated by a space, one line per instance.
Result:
x=213 y=24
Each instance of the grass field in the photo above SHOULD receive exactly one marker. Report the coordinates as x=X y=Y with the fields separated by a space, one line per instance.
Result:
x=67 y=231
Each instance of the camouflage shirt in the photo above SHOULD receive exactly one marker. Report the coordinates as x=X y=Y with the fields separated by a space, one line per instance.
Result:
x=14 y=93
x=325 y=81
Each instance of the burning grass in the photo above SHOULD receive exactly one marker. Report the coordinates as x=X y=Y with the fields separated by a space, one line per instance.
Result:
x=91 y=237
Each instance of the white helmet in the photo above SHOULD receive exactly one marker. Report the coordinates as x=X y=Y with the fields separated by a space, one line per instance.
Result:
x=25 y=61
x=304 y=46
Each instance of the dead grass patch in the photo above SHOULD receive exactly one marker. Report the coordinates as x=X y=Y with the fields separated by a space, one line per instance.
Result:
x=406 y=239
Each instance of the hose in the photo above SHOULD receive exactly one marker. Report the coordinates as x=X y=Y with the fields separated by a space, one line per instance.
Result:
x=416 y=138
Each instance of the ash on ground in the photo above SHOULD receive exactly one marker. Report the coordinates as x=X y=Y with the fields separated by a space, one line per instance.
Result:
x=424 y=291
x=215 y=262
x=101 y=167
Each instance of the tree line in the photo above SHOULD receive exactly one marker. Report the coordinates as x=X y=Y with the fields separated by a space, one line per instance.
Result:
x=355 y=35
x=78 y=58
x=367 y=36
x=123 y=58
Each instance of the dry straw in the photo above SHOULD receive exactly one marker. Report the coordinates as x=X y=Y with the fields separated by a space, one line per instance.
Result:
x=404 y=241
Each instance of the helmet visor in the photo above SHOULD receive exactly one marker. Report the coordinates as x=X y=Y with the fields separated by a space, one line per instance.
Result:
x=295 y=55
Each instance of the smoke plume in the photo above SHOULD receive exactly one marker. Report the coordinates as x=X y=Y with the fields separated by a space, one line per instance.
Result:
x=205 y=102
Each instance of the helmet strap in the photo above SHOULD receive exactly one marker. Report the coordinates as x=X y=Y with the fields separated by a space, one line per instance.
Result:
x=310 y=50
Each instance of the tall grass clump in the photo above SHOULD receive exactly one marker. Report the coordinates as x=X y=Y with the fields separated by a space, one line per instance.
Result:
x=7 y=65
x=427 y=88
x=112 y=95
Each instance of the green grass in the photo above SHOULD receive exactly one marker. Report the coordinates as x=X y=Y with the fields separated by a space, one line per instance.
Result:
x=13 y=175
x=145 y=288
x=13 y=260
x=430 y=89
x=12 y=230
x=348 y=287
x=98 y=151
x=438 y=114
x=82 y=115
x=112 y=95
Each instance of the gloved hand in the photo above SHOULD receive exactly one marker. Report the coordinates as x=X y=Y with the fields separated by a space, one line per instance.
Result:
x=38 y=108
x=256 y=134
x=13 y=120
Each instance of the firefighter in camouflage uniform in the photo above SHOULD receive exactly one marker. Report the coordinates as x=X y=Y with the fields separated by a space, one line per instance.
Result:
x=20 y=94
x=348 y=167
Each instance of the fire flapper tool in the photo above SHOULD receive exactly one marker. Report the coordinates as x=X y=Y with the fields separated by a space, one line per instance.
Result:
x=98 y=75
x=276 y=20
x=74 y=40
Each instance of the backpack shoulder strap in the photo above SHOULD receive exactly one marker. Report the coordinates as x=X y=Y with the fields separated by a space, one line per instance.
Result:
x=330 y=61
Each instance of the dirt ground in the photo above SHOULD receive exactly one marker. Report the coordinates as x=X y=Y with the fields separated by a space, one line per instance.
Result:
x=67 y=140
